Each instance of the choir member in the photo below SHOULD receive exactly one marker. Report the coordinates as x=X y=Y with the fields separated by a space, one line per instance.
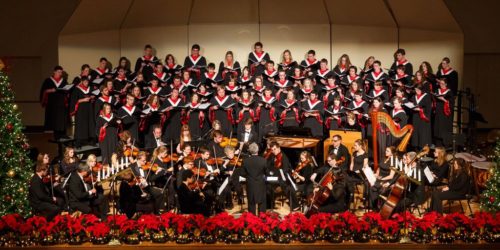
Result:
x=439 y=167
x=282 y=85
x=443 y=119
x=426 y=70
x=375 y=75
x=139 y=81
x=306 y=89
x=84 y=73
x=266 y=114
x=335 y=115
x=245 y=110
x=139 y=99
x=173 y=112
x=245 y=79
x=359 y=108
x=297 y=77
x=310 y=64
x=121 y=83
x=378 y=92
x=155 y=88
x=160 y=74
x=102 y=71
x=419 y=79
x=451 y=76
x=195 y=63
x=81 y=107
x=107 y=126
x=400 y=59
x=302 y=173
x=312 y=113
x=336 y=202
x=181 y=86
x=211 y=78
x=53 y=98
x=130 y=115
x=289 y=111
x=257 y=59
x=125 y=64
x=457 y=188
x=384 y=175
x=255 y=170
x=222 y=109
x=39 y=196
x=322 y=74
x=184 y=138
x=70 y=162
x=196 y=117
x=401 y=79
x=341 y=152
x=368 y=67
x=398 y=114
x=146 y=63
x=104 y=98
x=287 y=63
x=258 y=86
x=422 y=133
x=145 y=176
x=84 y=197
x=171 y=67
x=342 y=67
x=330 y=91
x=351 y=77
x=191 y=200
x=151 y=114
x=351 y=92
x=270 y=74
x=229 y=67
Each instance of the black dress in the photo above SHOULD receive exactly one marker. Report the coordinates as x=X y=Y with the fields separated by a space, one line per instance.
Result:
x=224 y=113
x=314 y=123
x=56 y=109
x=197 y=120
x=172 y=119
x=84 y=115
x=451 y=79
x=443 y=119
x=422 y=133
x=108 y=137
x=130 y=120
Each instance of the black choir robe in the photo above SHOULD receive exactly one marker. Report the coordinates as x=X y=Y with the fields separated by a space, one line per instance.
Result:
x=84 y=114
x=406 y=63
x=443 y=119
x=161 y=76
x=340 y=72
x=289 y=113
x=171 y=122
x=311 y=67
x=172 y=70
x=200 y=63
x=99 y=102
x=347 y=80
x=330 y=122
x=56 y=106
x=211 y=80
x=372 y=78
x=328 y=94
x=254 y=60
x=151 y=116
x=422 y=133
x=245 y=82
x=451 y=77
x=383 y=94
x=321 y=75
x=108 y=137
x=245 y=109
x=120 y=83
x=314 y=123
x=100 y=73
x=224 y=113
x=226 y=71
x=130 y=120
x=159 y=91
x=146 y=66
x=197 y=120
x=266 y=114
x=288 y=67
x=362 y=107
x=268 y=76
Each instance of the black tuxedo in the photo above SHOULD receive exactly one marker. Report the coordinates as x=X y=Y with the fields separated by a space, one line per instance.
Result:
x=342 y=151
x=156 y=193
x=80 y=199
x=252 y=138
x=255 y=170
x=191 y=202
x=41 y=200
x=283 y=180
x=151 y=142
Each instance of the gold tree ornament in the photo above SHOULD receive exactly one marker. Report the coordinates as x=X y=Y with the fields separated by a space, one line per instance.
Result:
x=11 y=173
x=2 y=65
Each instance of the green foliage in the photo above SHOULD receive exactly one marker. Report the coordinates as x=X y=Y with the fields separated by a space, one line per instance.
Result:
x=490 y=199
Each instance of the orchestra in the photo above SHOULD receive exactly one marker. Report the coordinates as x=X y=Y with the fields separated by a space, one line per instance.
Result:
x=197 y=139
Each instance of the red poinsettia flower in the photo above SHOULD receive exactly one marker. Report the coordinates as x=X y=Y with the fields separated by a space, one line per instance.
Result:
x=99 y=230
x=389 y=226
x=148 y=222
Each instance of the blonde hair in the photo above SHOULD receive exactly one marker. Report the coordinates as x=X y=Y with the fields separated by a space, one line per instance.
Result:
x=441 y=155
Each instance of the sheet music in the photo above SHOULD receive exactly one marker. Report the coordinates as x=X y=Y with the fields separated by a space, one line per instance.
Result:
x=67 y=87
x=223 y=186
x=292 y=182
x=96 y=92
x=410 y=105
x=428 y=174
x=272 y=178
x=98 y=80
x=242 y=179
x=370 y=176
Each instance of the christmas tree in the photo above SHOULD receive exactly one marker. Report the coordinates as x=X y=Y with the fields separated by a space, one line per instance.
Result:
x=490 y=200
x=15 y=165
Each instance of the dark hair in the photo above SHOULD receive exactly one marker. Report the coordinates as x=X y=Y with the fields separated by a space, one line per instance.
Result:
x=258 y=44
x=217 y=133
x=401 y=67
x=274 y=144
x=401 y=51
x=195 y=46
x=41 y=167
x=270 y=62
x=186 y=175
x=84 y=67
x=446 y=59
x=148 y=46
x=311 y=51
x=103 y=59
x=211 y=66
x=204 y=150
x=324 y=60
x=377 y=62
x=58 y=67
x=355 y=69
x=332 y=156
x=338 y=137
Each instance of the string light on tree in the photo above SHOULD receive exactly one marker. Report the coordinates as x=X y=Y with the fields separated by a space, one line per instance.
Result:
x=490 y=200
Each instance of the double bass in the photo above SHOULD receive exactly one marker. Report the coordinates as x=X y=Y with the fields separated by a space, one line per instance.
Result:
x=317 y=198
x=399 y=187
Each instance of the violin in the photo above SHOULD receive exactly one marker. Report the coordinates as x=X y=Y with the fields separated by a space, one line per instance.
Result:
x=168 y=158
x=215 y=161
x=131 y=151
x=278 y=163
x=51 y=178
x=300 y=166
x=268 y=153
x=196 y=185
x=150 y=166
x=199 y=171
x=226 y=142
x=236 y=162
x=191 y=157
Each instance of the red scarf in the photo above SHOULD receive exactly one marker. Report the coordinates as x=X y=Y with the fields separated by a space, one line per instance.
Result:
x=105 y=98
x=446 y=108
x=154 y=89
x=129 y=108
x=220 y=98
x=257 y=88
x=170 y=65
x=269 y=72
x=377 y=74
x=289 y=102
x=102 y=70
x=342 y=67
x=352 y=78
x=195 y=57
x=321 y=71
x=259 y=54
x=445 y=71
x=148 y=57
x=83 y=87
x=311 y=62
x=210 y=75
x=358 y=103
x=401 y=62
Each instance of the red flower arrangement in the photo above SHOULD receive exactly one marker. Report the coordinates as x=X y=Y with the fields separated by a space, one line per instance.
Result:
x=148 y=223
x=426 y=223
x=389 y=226
x=320 y=221
x=255 y=225
x=99 y=230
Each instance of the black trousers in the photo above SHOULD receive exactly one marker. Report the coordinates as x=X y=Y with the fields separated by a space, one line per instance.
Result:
x=49 y=210
x=97 y=205
x=439 y=196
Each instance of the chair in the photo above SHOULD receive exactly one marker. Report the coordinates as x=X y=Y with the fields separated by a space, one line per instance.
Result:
x=467 y=197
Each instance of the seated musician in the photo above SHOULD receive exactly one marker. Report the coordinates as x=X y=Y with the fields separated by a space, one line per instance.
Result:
x=130 y=195
x=359 y=161
x=336 y=202
x=255 y=170
x=214 y=144
x=341 y=151
x=384 y=176
x=55 y=183
x=279 y=166
x=40 y=198
x=205 y=173
x=233 y=170
x=153 y=140
x=126 y=146
x=191 y=199
x=439 y=167
x=248 y=135
x=302 y=173
x=70 y=161
x=145 y=176
x=184 y=163
x=414 y=192
x=83 y=196
x=165 y=179
x=459 y=185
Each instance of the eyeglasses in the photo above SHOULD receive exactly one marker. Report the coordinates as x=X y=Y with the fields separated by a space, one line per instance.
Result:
x=335 y=140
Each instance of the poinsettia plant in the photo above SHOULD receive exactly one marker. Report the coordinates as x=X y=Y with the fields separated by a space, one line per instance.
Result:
x=255 y=225
x=148 y=223
x=389 y=227
x=373 y=219
x=349 y=219
x=99 y=230
x=426 y=223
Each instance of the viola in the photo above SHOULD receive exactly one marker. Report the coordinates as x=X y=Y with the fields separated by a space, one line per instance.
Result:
x=196 y=185
x=150 y=166
x=202 y=172
x=226 y=142
x=268 y=153
x=168 y=158
x=191 y=157
x=215 y=161
x=300 y=166
x=278 y=163
x=236 y=162
x=131 y=151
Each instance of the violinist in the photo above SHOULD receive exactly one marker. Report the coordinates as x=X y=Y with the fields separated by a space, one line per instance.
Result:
x=384 y=176
x=336 y=201
x=127 y=147
x=40 y=198
x=247 y=135
x=255 y=170
x=154 y=140
x=204 y=174
x=280 y=167
x=302 y=173
x=341 y=151
x=130 y=195
x=232 y=167
x=52 y=180
x=83 y=197
x=69 y=162
x=161 y=163
x=146 y=174
x=214 y=145
x=185 y=162
x=191 y=200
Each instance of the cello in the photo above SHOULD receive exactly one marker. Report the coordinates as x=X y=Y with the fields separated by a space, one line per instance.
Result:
x=317 y=198
x=399 y=187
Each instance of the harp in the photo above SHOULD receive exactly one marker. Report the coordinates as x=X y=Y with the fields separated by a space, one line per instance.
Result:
x=404 y=134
